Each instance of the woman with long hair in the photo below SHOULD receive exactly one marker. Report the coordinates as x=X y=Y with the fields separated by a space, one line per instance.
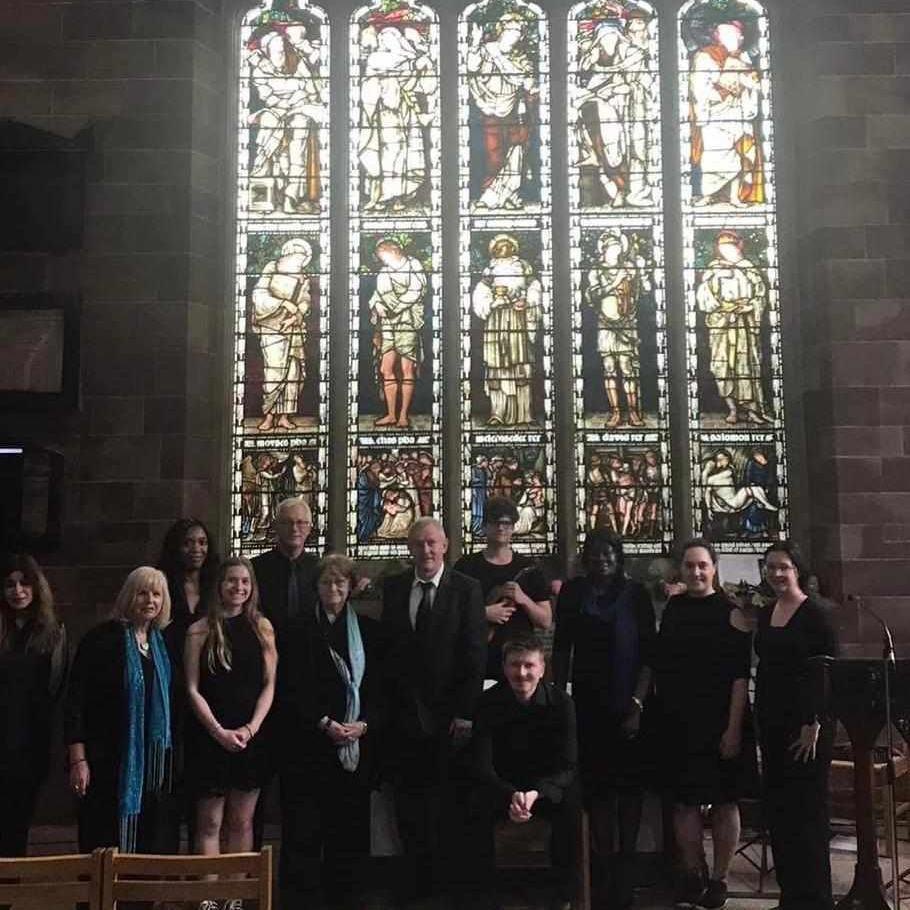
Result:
x=703 y=663
x=33 y=657
x=330 y=710
x=796 y=729
x=604 y=644
x=189 y=561
x=230 y=662
x=117 y=723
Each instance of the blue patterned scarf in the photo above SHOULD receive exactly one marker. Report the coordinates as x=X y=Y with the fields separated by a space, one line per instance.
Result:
x=144 y=766
x=349 y=753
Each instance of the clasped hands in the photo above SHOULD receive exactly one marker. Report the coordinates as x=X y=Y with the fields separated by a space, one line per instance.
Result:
x=342 y=734
x=521 y=805
x=233 y=740
x=803 y=748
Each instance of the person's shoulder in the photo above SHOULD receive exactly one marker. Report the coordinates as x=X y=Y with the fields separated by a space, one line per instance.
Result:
x=199 y=627
x=265 y=627
x=466 y=563
x=461 y=583
x=556 y=695
x=739 y=620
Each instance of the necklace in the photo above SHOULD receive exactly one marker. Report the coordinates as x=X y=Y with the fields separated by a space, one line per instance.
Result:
x=143 y=645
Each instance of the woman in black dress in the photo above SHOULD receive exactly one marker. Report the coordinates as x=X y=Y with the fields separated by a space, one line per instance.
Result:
x=330 y=713
x=605 y=635
x=703 y=664
x=117 y=723
x=189 y=562
x=514 y=589
x=230 y=662
x=796 y=730
x=33 y=656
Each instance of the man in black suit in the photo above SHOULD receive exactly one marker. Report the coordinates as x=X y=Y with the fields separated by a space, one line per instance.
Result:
x=285 y=574
x=435 y=620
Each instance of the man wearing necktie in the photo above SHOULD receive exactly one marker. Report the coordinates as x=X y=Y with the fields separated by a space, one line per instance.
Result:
x=286 y=574
x=436 y=623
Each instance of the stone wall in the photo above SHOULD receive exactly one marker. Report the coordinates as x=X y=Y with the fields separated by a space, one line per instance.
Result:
x=853 y=123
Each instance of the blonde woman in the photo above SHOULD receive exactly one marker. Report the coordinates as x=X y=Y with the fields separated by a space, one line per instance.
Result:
x=33 y=657
x=230 y=662
x=118 y=723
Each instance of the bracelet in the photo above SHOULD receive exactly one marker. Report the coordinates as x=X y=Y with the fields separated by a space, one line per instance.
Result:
x=78 y=761
x=249 y=730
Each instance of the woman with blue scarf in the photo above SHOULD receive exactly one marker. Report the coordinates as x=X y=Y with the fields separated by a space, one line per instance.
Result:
x=605 y=633
x=117 y=721
x=329 y=711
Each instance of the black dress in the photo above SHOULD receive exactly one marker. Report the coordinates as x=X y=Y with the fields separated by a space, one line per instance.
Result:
x=232 y=696
x=492 y=577
x=585 y=648
x=699 y=656
x=30 y=682
x=790 y=692
x=95 y=713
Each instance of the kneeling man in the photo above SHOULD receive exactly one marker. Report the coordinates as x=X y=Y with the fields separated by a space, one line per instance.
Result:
x=525 y=754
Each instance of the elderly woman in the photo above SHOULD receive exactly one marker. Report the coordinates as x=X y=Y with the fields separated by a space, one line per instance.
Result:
x=33 y=658
x=329 y=711
x=796 y=730
x=605 y=635
x=118 y=723
x=703 y=662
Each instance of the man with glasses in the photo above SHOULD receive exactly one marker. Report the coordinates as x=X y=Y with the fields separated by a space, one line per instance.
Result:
x=514 y=589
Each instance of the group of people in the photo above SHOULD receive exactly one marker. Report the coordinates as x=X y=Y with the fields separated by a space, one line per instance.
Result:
x=213 y=676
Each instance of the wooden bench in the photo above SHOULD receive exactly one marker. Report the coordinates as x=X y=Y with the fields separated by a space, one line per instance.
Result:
x=50 y=882
x=144 y=877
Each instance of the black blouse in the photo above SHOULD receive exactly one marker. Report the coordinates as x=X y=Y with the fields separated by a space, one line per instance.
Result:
x=791 y=688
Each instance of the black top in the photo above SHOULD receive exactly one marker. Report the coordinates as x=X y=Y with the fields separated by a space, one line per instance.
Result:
x=442 y=670
x=96 y=705
x=310 y=688
x=520 y=747
x=698 y=657
x=232 y=694
x=790 y=689
x=492 y=577
x=30 y=683
x=274 y=576
x=592 y=636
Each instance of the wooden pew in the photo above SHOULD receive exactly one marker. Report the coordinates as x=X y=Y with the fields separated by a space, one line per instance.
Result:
x=51 y=882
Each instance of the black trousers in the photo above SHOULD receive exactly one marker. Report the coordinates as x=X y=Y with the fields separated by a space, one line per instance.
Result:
x=325 y=838
x=18 y=796
x=489 y=808
x=795 y=803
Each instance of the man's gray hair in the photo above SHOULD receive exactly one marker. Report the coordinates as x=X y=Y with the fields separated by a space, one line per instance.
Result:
x=290 y=503
x=425 y=521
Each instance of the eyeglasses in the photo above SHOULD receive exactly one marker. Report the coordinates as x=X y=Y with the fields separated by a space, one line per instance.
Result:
x=502 y=523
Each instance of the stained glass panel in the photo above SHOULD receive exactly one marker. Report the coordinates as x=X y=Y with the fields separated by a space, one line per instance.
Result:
x=281 y=320
x=505 y=266
x=619 y=324
x=735 y=384
x=396 y=281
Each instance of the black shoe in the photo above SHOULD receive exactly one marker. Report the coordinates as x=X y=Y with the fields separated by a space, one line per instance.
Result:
x=715 y=896
x=691 y=890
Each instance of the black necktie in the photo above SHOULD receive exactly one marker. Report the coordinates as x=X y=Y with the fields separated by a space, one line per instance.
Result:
x=293 y=592
x=422 y=619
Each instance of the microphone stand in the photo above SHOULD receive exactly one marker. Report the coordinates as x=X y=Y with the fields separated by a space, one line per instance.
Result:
x=888 y=664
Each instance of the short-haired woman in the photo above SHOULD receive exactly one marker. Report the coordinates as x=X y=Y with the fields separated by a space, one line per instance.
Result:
x=118 y=723
x=230 y=662
x=330 y=712
x=33 y=656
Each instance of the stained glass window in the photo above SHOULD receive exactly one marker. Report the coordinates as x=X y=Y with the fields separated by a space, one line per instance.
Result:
x=281 y=313
x=505 y=268
x=736 y=415
x=618 y=289
x=395 y=280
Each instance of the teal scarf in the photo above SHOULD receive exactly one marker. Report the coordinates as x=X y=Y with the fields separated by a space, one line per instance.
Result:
x=349 y=754
x=144 y=765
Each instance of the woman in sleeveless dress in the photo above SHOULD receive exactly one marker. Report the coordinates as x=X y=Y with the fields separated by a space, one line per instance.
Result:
x=230 y=663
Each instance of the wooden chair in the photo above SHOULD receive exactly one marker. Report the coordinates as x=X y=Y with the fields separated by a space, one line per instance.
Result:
x=145 y=877
x=50 y=882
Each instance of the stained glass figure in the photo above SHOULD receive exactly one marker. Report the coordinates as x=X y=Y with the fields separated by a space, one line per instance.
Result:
x=281 y=337
x=395 y=273
x=618 y=285
x=614 y=128
x=736 y=420
x=507 y=335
